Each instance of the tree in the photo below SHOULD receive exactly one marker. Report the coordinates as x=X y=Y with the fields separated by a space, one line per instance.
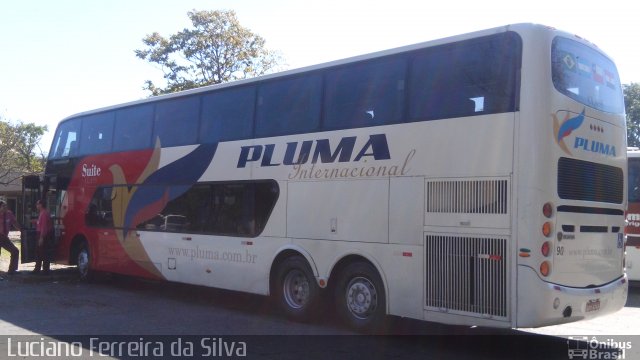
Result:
x=632 y=108
x=18 y=143
x=217 y=49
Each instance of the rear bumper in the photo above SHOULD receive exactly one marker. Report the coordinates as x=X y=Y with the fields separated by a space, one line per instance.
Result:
x=542 y=304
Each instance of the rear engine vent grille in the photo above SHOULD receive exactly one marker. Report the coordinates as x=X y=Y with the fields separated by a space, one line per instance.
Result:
x=588 y=181
x=467 y=275
x=467 y=196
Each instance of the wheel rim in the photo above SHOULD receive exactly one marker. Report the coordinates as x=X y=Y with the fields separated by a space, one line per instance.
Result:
x=83 y=262
x=362 y=297
x=296 y=289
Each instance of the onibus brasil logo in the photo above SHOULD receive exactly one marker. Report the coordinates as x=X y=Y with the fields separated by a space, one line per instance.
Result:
x=583 y=347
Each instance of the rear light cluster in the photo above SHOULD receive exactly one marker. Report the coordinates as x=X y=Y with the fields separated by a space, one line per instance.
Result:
x=547 y=231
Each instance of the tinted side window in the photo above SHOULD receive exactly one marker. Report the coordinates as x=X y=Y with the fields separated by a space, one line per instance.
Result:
x=227 y=115
x=97 y=133
x=133 y=128
x=99 y=213
x=176 y=121
x=467 y=78
x=365 y=94
x=65 y=142
x=289 y=106
x=234 y=209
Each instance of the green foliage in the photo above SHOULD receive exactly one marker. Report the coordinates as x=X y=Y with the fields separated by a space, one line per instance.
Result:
x=18 y=143
x=632 y=108
x=217 y=49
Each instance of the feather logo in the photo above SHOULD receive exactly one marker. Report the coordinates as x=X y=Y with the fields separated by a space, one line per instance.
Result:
x=563 y=129
x=150 y=193
x=121 y=198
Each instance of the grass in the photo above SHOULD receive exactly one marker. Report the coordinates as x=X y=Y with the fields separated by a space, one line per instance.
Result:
x=5 y=256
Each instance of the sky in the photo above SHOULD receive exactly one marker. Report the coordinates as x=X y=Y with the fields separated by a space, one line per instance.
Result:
x=62 y=57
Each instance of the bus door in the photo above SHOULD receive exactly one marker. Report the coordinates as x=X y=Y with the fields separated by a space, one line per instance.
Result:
x=31 y=192
x=34 y=189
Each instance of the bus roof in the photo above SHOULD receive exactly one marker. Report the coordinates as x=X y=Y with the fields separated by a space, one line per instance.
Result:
x=517 y=27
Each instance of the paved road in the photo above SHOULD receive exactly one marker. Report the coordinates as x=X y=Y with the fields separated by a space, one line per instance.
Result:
x=60 y=306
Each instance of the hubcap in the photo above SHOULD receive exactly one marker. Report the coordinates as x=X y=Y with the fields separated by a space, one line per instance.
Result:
x=83 y=262
x=296 y=289
x=362 y=297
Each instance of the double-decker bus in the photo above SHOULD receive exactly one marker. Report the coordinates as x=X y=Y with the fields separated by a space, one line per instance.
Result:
x=633 y=215
x=476 y=180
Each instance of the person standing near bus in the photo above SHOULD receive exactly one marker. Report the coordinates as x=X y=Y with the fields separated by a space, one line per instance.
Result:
x=44 y=227
x=8 y=220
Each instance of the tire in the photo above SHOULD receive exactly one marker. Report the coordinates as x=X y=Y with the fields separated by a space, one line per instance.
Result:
x=360 y=298
x=296 y=291
x=84 y=262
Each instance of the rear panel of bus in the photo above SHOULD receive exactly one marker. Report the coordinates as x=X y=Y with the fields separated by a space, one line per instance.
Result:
x=571 y=195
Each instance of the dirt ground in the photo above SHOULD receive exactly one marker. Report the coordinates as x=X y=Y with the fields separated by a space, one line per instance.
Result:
x=5 y=257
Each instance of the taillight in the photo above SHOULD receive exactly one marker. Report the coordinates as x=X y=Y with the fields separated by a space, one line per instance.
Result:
x=546 y=249
x=547 y=230
x=547 y=210
x=545 y=268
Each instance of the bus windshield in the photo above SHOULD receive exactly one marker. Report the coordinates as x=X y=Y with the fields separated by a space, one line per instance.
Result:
x=586 y=76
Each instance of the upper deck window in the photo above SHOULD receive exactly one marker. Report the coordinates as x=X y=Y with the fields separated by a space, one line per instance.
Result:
x=176 y=121
x=228 y=114
x=97 y=133
x=289 y=106
x=466 y=78
x=586 y=76
x=133 y=128
x=365 y=94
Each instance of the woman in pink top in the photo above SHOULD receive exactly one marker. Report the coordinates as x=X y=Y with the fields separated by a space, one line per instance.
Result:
x=44 y=227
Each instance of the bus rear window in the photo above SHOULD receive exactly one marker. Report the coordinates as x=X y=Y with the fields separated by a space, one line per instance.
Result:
x=586 y=76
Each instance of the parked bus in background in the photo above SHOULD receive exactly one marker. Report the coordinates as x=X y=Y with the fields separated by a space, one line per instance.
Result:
x=633 y=215
x=476 y=180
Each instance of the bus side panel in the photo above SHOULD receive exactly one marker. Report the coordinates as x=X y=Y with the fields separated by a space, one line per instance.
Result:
x=400 y=267
x=405 y=213
x=231 y=263
x=355 y=210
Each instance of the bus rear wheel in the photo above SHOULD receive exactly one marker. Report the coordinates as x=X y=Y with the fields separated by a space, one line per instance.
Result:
x=360 y=297
x=295 y=289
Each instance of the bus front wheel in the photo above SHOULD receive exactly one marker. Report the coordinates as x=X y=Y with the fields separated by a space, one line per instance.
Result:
x=296 y=291
x=360 y=297
x=84 y=262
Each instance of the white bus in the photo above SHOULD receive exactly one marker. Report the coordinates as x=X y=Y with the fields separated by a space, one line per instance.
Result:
x=475 y=180
x=633 y=216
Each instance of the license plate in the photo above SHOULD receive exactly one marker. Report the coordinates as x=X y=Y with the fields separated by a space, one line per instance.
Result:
x=593 y=305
